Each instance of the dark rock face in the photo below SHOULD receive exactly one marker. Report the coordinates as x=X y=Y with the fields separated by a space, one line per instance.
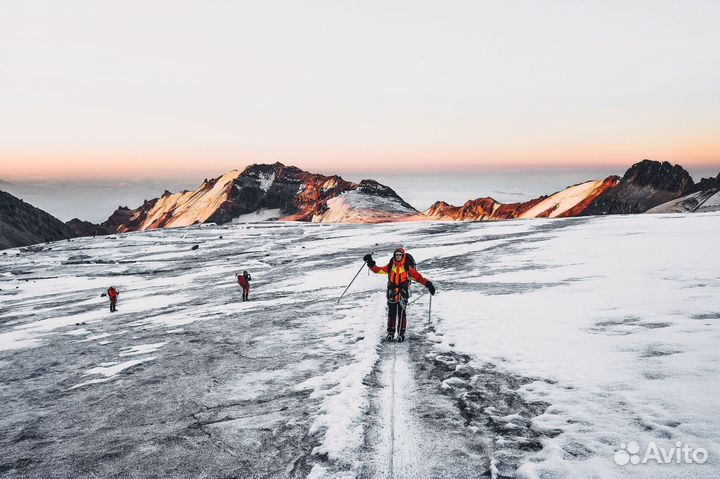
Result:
x=707 y=184
x=298 y=194
x=295 y=192
x=22 y=224
x=645 y=185
x=85 y=228
x=703 y=197
x=480 y=209
x=125 y=219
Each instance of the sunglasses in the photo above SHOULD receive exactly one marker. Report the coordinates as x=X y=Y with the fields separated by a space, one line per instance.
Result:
x=398 y=255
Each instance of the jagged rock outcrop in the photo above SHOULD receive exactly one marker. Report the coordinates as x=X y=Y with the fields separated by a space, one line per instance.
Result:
x=278 y=191
x=645 y=185
x=23 y=224
x=571 y=201
x=705 y=197
x=85 y=228
x=479 y=209
x=706 y=184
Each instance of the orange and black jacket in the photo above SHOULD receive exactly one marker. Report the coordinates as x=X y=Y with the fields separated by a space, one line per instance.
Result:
x=399 y=274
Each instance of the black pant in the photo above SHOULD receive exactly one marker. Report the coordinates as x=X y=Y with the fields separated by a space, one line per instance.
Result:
x=112 y=305
x=397 y=302
x=396 y=314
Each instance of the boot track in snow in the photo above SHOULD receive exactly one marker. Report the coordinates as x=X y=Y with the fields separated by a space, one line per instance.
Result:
x=402 y=441
x=428 y=418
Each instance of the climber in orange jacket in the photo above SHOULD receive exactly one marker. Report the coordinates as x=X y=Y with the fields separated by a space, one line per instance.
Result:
x=400 y=270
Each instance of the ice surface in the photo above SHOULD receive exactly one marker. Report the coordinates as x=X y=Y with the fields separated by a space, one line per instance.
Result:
x=109 y=371
x=113 y=369
x=605 y=311
x=586 y=332
x=141 y=349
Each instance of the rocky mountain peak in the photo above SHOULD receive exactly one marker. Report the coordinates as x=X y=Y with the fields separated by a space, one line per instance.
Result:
x=85 y=228
x=290 y=192
x=707 y=184
x=659 y=175
x=644 y=185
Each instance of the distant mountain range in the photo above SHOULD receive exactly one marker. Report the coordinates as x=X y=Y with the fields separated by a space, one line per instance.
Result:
x=572 y=201
x=23 y=224
x=288 y=193
x=647 y=186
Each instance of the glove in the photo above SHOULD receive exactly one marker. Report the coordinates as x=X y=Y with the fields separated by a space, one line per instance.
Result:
x=369 y=260
x=430 y=287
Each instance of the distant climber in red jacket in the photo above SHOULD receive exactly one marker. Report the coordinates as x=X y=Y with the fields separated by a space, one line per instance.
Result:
x=113 y=295
x=400 y=270
x=244 y=282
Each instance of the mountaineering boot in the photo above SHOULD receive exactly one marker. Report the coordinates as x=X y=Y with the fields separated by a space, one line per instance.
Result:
x=390 y=337
x=401 y=337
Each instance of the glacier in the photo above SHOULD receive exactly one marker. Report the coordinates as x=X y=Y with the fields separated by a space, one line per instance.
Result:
x=550 y=343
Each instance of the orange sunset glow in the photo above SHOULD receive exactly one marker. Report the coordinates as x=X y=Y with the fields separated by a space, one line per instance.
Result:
x=390 y=88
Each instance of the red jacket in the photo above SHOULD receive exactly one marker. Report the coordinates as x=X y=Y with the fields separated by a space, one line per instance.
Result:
x=112 y=294
x=243 y=282
x=398 y=273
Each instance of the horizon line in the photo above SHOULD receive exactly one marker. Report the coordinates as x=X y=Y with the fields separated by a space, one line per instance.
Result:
x=195 y=174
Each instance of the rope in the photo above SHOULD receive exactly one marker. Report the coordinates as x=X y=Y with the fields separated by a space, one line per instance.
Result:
x=391 y=471
x=422 y=295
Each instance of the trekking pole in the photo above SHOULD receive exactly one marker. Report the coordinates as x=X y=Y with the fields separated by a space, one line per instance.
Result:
x=430 y=310
x=351 y=282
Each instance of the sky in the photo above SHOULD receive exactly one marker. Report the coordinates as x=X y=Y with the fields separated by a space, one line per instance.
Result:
x=189 y=89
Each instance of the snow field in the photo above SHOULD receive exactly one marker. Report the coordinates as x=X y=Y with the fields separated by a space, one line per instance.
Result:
x=612 y=321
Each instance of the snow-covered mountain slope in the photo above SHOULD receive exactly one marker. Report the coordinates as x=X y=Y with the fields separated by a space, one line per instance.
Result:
x=705 y=197
x=358 y=207
x=191 y=207
x=172 y=210
x=296 y=194
x=701 y=201
x=539 y=359
x=571 y=201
